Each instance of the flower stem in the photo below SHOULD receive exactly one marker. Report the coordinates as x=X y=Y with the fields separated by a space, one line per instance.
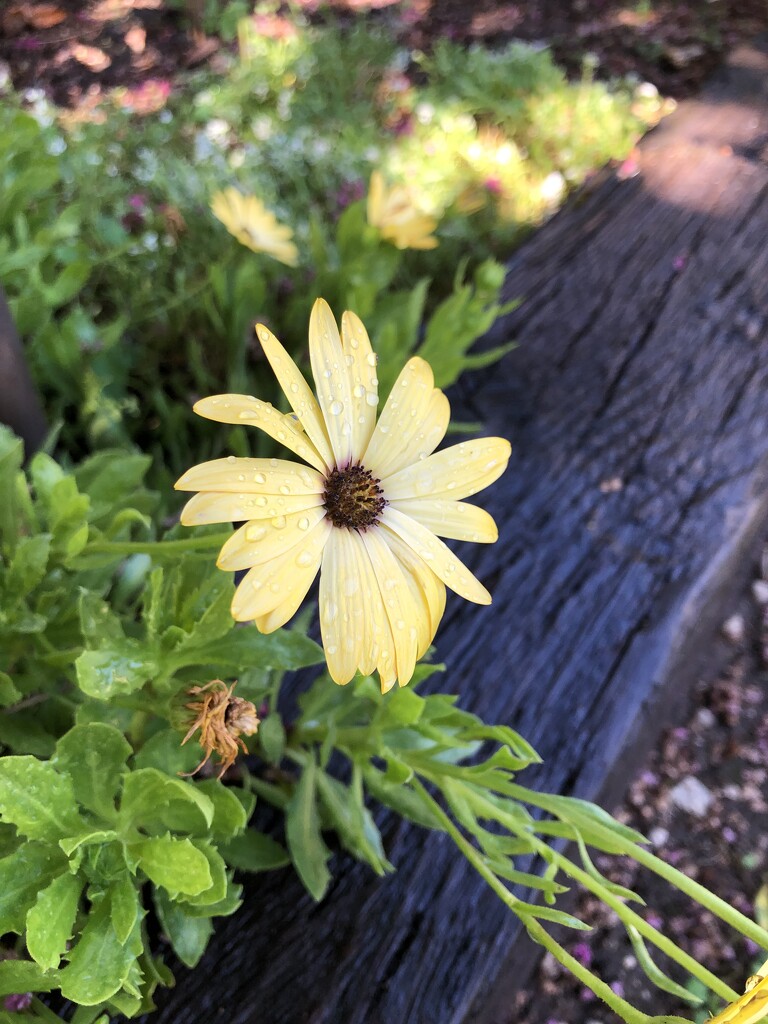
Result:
x=119 y=548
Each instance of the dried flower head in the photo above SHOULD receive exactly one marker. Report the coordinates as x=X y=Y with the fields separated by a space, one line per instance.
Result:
x=221 y=719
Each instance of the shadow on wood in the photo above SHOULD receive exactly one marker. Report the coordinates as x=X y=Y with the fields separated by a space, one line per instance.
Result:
x=637 y=404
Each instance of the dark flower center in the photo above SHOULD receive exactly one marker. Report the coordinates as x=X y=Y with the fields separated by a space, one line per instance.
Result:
x=353 y=498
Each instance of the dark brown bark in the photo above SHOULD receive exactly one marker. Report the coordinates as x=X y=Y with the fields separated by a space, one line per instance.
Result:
x=20 y=407
x=637 y=404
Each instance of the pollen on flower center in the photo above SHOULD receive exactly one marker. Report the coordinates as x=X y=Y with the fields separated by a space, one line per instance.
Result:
x=353 y=498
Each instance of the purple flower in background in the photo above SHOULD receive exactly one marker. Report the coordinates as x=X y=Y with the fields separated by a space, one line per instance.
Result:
x=17 y=1003
x=493 y=185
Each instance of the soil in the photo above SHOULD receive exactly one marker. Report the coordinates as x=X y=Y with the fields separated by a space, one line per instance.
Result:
x=701 y=800
x=76 y=49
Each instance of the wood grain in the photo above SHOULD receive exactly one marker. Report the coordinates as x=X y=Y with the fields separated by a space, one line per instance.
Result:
x=637 y=404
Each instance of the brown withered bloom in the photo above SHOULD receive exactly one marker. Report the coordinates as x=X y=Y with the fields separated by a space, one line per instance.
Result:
x=221 y=719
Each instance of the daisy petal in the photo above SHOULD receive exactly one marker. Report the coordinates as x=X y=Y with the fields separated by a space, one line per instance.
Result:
x=416 y=440
x=283 y=580
x=454 y=472
x=341 y=630
x=443 y=562
x=214 y=507
x=246 y=411
x=427 y=589
x=252 y=476
x=402 y=420
x=298 y=393
x=399 y=605
x=365 y=386
x=264 y=539
x=332 y=380
x=457 y=520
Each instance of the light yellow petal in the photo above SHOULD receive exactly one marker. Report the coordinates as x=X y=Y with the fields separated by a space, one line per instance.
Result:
x=441 y=560
x=401 y=609
x=454 y=472
x=298 y=393
x=361 y=361
x=457 y=520
x=411 y=424
x=428 y=590
x=244 y=410
x=252 y=476
x=282 y=581
x=340 y=611
x=375 y=199
x=332 y=381
x=214 y=507
x=264 y=539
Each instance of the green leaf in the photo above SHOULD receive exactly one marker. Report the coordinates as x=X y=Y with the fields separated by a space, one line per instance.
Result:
x=229 y=817
x=352 y=820
x=99 y=963
x=27 y=568
x=8 y=692
x=175 y=864
x=284 y=649
x=89 y=837
x=155 y=802
x=94 y=756
x=36 y=799
x=18 y=976
x=116 y=670
x=51 y=920
x=217 y=890
x=400 y=798
x=188 y=935
x=654 y=973
x=23 y=874
x=255 y=851
x=124 y=907
x=302 y=829
x=404 y=707
x=272 y=737
x=163 y=750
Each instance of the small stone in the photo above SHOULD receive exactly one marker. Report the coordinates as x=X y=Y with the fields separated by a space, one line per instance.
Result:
x=760 y=591
x=658 y=836
x=691 y=796
x=733 y=629
x=705 y=718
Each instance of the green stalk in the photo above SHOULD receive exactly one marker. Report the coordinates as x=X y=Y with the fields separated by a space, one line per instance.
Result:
x=535 y=929
x=122 y=548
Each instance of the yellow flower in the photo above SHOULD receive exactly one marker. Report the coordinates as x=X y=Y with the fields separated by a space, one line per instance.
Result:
x=395 y=213
x=752 y=1008
x=367 y=511
x=254 y=225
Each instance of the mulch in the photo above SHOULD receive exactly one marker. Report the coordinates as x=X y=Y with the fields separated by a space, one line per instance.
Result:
x=76 y=49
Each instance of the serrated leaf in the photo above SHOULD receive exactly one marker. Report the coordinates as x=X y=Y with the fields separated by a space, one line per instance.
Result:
x=94 y=756
x=18 y=976
x=302 y=829
x=23 y=874
x=36 y=799
x=175 y=864
x=188 y=935
x=51 y=920
x=99 y=963
x=217 y=890
x=255 y=851
x=155 y=802
x=284 y=649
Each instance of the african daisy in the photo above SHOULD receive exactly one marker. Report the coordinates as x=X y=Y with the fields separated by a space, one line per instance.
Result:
x=394 y=212
x=367 y=510
x=253 y=225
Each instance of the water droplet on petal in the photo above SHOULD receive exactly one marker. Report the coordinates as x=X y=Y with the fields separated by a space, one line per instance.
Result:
x=294 y=387
x=230 y=459
x=371 y=359
x=275 y=587
x=285 y=489
x=255 y=533
x=371 y=398
x=337 y=408
x=259 y=478
x=304 y=559
x=303 y=523
x=358 y=391
x=279 y=522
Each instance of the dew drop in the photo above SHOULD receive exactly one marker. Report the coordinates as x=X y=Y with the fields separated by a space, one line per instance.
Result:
x=255 y=533
x=304 y=559
x=230 y=459
x=349 y=643
x=279 y=522
x=294 y=388
x=259 y=478
x=261 y=501
x=337 y=408
x=256 y=584
x=358 y=391
x=275 y=587
x=371 y=359
x=285 y=489
x=303 y=523
x=351 y=586
x=400 y=624
x=281 y=435
x=331 y=611
x=371 y=398
x=241 y=477
x=331 y=649
x=248 y=414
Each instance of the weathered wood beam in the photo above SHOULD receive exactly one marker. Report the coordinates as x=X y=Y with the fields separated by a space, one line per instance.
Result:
x=637 y=404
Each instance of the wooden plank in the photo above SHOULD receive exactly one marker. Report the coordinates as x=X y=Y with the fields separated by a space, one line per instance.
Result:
x=637 y=403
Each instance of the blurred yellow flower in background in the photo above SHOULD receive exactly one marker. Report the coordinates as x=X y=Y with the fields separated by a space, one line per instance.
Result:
x=367 y=511
x=395 y=213
x=254 y=225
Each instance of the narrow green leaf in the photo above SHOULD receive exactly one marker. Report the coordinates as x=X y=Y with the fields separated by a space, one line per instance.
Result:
x=175 y=864
x=36 y=799
x=302 y=829
x=94 y=756
x=654 y=973
x=255 y=851
x=188 y=935
x=51 y=920
x=124 y=907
